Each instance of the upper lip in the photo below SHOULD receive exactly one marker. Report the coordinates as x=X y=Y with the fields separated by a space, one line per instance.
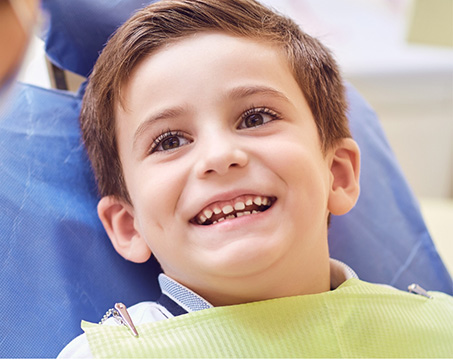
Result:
x=227 y=196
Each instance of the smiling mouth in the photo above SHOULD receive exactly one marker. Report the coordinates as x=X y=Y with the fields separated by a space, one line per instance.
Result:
x=241 y=206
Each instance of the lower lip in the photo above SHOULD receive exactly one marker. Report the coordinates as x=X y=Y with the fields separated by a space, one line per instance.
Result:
x=238 y=222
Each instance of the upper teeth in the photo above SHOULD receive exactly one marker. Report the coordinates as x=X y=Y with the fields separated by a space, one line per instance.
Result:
x=241 y=206
x=227 y=209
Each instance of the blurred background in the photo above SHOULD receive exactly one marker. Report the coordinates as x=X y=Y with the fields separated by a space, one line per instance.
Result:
x=399 y=55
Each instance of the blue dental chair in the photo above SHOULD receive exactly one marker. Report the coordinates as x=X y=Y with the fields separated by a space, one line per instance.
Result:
x=57 y=264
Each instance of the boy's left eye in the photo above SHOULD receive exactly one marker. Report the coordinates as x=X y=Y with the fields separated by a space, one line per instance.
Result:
x=168 y=141
x=256 y=117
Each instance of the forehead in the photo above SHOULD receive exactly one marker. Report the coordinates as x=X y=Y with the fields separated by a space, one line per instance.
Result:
x=192 y=59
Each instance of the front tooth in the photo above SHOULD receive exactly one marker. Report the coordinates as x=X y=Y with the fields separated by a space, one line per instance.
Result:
x=239 y=206
x=227 y=209
x=257 y=201
x=207 y=213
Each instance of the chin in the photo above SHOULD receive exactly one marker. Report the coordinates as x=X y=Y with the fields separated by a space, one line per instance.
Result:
x=246 y=257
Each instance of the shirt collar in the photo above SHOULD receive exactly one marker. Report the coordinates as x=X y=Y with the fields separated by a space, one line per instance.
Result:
x=178 y=299
x=340 y=273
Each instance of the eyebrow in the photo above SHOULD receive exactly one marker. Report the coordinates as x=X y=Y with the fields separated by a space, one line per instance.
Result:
x=245 y=91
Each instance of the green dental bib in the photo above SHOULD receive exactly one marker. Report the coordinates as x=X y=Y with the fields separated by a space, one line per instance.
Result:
x=357 y=319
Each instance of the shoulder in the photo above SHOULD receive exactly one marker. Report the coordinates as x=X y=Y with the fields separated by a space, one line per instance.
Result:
x=144 y=312
x=77 y=348
x=415 y=308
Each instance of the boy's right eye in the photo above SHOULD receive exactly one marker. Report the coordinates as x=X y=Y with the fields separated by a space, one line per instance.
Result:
x=169 y=140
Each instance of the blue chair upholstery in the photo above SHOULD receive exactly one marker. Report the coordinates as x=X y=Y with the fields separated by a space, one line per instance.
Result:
x=384 y=238
x=78 y=30
x=57 y=264
x=59 y=267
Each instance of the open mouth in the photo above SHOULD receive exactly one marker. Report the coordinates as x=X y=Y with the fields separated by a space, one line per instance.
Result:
x=240 y=206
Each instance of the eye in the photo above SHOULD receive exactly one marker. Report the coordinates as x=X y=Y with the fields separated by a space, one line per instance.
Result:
x=169 y=140
x=256 y=117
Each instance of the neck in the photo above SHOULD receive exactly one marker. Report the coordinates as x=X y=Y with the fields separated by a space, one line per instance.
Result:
x=310 y=276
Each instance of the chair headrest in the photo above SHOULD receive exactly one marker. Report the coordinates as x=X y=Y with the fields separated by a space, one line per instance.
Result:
x=78 y=30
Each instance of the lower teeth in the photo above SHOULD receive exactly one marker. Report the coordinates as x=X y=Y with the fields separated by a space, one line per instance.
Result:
x=231 y=216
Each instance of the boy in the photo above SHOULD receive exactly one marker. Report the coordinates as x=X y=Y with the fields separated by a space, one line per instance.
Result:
x=218 y=136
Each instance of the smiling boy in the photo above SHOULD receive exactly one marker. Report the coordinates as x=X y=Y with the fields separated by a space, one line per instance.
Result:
x=214 y=128
x=218 y=136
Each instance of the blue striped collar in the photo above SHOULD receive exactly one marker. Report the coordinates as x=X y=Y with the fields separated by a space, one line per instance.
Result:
x=178 y=299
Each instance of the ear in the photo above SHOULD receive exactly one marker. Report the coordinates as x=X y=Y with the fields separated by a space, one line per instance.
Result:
x=119 y=222
x=345 y=172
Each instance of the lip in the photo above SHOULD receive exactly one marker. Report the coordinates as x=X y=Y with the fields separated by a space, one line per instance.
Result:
x=227 y=196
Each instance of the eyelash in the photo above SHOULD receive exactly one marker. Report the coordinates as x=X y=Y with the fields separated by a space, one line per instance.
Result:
x=167 y=134
x=259 y=111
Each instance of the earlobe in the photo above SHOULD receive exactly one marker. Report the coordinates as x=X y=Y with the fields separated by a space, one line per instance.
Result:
x=345 y=172
x=119 y=223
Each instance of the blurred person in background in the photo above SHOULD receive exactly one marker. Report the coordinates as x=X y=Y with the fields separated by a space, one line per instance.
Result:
x=17 y=19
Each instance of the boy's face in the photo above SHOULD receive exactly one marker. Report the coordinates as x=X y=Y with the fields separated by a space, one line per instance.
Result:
x=213 y=123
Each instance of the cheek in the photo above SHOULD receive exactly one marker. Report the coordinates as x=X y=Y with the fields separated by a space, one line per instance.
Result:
x=294 y=160
x=155 y=192
x=303 y=169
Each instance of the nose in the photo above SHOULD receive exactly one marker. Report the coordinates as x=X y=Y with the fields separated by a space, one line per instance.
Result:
x=219 y=155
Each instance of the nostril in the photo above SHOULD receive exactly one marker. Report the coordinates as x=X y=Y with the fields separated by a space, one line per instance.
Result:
x=221 y=162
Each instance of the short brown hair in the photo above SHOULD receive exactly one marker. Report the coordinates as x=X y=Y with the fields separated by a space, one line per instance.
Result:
x=170 y=20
